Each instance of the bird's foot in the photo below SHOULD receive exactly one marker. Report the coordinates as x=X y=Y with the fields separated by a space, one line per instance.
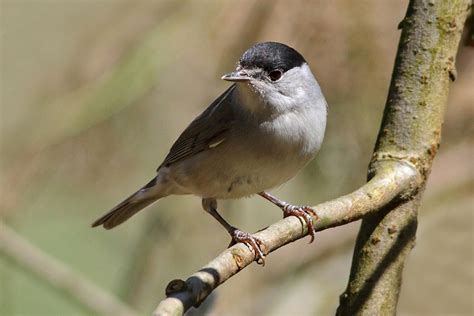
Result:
x=252 y=242
x=305 y=213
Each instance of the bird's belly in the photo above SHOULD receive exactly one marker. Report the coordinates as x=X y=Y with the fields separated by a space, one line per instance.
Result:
x=224 y=181
x=239 y=169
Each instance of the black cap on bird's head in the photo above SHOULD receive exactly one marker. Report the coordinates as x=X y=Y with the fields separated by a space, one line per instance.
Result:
x=268 y=56
x=271 y=55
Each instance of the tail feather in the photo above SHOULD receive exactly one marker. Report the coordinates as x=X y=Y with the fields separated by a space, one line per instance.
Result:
x=132 y=205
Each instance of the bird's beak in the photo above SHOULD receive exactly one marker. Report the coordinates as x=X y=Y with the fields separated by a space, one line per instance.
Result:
x=237 y=76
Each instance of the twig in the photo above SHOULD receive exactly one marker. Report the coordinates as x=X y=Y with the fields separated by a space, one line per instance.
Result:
x=58 y=276
x=384 y=188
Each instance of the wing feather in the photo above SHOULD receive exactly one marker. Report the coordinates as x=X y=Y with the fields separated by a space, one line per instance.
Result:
x=209 y=127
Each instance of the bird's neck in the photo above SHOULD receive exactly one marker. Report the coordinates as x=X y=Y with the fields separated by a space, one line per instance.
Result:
x=254 y=104
x=249 y=99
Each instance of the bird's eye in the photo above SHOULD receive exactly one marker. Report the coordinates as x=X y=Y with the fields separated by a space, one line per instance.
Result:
x=275 y=75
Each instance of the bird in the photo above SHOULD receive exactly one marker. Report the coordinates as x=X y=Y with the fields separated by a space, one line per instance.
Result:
x=254 y=137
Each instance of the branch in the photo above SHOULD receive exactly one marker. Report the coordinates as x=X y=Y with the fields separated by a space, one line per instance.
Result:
x=57 y=275
x=381 y=190
x=411 y=128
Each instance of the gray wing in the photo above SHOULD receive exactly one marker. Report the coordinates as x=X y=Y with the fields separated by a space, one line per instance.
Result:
x=205 y=132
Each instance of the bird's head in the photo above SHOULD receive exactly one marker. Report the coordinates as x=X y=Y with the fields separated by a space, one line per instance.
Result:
x=275 y=71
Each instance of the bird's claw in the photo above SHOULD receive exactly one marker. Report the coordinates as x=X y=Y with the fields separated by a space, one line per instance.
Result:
x=304 y=213
x=251 y=242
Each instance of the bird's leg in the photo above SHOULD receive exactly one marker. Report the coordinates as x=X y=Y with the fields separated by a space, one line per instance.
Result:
x=210 y=206
x=304 y=213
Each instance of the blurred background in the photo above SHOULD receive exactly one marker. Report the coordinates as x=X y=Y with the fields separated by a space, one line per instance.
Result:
x=94 y=93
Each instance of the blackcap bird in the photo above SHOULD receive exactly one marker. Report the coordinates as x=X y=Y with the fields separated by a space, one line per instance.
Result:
x=254 y=137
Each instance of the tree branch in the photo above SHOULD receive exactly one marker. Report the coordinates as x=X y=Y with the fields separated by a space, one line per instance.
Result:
x=411 y=128
x=58 y=276
x=386 y=187
x=407 y=143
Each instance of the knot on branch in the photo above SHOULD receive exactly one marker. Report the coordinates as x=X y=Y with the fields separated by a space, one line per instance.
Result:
x=238 y=259
x=420 y=164
x=175 y=286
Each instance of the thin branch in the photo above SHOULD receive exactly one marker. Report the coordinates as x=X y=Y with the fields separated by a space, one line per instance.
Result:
x=58 y=276
x=384 y=188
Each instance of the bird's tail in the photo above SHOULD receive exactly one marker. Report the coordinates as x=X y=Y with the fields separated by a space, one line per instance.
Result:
x=132 y=205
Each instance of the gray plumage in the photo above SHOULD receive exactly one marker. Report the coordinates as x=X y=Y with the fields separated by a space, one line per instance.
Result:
x=254 y=137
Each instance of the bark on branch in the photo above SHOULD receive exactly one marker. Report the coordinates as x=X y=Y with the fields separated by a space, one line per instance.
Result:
x=408 y=140
x=411 y=130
